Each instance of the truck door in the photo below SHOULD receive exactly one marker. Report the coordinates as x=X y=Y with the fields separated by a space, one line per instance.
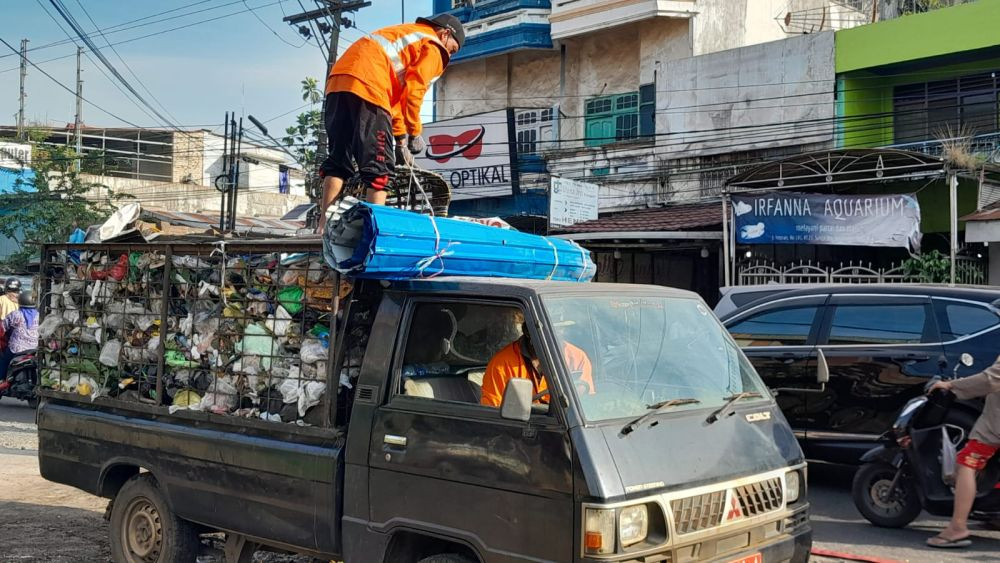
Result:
x=442 y=463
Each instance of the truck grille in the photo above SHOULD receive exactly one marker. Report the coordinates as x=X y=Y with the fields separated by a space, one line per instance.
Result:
x=759 y=498
x=697 y=513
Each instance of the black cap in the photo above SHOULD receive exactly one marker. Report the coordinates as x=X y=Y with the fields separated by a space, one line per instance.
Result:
x=12 y=285
x=449 y=22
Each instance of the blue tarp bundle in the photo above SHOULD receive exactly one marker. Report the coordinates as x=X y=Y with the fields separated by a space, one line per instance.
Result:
x=379 y=242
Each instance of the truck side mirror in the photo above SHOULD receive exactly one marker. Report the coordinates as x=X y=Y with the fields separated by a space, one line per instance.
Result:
x=517 y=398
x=822 y=369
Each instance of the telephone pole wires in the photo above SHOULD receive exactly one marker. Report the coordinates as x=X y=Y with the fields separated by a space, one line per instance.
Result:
x=21 y=134
x=78 y=120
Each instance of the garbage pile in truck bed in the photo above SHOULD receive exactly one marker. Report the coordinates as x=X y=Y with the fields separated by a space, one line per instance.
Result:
x=240 y=330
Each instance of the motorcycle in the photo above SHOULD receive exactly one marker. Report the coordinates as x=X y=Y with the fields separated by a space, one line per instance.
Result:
x=904 y=475
x=22 y=378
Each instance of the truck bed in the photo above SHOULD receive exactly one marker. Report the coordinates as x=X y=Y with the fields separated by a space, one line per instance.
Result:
x=281 y=483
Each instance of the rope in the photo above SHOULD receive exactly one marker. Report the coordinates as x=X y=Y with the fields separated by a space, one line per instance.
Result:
x=555 y=256
x=439 y=253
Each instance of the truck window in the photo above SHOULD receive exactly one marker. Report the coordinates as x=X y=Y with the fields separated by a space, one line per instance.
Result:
x=448 y=346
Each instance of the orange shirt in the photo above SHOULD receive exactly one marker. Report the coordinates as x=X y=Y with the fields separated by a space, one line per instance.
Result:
x=392 y=68
x=509 y=363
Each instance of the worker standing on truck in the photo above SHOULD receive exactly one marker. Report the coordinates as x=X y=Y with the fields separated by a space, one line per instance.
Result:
x=373 y=97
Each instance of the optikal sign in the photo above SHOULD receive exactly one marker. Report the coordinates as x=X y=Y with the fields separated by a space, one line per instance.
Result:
x=852 y=220
x=15 y=156
x=473 y=154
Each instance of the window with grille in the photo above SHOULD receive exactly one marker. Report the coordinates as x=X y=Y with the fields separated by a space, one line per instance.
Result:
x=928 y=110
x=535 y=129
x=620 y=117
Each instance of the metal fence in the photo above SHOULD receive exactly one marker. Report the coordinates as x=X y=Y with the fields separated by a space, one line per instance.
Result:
x=758 y=272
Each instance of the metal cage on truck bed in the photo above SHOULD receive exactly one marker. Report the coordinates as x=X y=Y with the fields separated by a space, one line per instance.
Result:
x=199 y=330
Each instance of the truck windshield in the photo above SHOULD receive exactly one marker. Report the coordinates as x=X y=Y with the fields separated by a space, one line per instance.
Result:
x=625 y=354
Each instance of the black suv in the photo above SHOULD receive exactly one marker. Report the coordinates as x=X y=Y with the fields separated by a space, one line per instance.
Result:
x=882 y=343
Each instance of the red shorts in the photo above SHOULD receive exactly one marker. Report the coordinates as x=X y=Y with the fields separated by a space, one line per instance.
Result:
x=975 y=454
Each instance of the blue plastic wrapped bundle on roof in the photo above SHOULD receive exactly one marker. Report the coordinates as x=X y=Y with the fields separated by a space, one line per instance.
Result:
x=378 y=242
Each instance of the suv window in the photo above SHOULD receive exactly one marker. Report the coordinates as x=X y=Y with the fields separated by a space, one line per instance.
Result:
x=789 y=326
x=878 y=324
x=962 y=319
x=448 y=345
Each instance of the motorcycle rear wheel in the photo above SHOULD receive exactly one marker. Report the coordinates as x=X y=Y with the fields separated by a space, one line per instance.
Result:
x=877 y=504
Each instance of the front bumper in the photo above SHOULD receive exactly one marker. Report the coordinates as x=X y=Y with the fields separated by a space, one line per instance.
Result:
x=785 y=540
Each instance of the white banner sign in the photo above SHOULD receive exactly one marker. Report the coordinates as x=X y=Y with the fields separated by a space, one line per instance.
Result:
x=572 y=202
x=472 y=153
x=15 y=156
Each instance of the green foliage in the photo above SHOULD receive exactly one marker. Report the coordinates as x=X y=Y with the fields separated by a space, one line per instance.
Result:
x=57 y=200
x=303 y=138
x=930 y=267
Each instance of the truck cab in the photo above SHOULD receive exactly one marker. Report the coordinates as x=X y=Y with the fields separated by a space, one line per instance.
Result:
x=641 y=434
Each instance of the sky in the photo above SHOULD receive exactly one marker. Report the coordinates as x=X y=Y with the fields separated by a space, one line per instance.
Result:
x=247 y=60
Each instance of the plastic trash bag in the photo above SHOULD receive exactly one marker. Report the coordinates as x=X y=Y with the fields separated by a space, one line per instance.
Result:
x=313 y=351
x=48 y=327
x=220 y=398
x=257 y=341
x=949 y=456
x=291 y=298
x=279 y=322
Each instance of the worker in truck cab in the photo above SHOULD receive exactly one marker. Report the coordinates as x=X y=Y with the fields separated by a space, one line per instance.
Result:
x=373 y=97
x=519 y=359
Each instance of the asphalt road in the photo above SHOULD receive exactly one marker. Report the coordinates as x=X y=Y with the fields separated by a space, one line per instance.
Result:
x=837 y=525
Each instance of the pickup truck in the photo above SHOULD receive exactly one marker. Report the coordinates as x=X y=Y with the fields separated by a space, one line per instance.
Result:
x=650 y=438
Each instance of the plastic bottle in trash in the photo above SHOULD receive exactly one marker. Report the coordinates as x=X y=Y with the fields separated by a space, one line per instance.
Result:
x=421 y=370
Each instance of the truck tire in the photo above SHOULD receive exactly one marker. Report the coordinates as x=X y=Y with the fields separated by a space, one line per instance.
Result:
x=446 y=558
x=144 y=530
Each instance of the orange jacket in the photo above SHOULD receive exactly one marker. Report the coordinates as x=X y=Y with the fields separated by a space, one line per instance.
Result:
x=392 y=68
x=509 y=363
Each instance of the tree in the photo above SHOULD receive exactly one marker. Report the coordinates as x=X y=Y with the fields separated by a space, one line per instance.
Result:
x=48 y=207
x=303 y=137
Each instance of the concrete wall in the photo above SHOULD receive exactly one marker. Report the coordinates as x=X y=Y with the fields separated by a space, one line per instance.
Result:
x=191 y=198
x=783 y=91
x=189 y=154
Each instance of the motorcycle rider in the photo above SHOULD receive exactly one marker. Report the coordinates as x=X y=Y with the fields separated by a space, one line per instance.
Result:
x=984 y=441
x=8 y=306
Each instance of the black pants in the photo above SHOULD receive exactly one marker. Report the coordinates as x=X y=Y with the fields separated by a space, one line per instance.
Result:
x=358 y=132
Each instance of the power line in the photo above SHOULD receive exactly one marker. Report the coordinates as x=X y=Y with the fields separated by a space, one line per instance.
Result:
x=61 y=9
x=120 y=58
x=64 y=87
x=269 y=28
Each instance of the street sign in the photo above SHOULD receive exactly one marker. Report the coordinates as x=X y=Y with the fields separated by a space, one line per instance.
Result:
x=571 y=202
x=15 y=156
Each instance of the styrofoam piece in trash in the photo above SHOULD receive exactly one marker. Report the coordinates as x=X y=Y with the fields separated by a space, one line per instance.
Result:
x=120 y=220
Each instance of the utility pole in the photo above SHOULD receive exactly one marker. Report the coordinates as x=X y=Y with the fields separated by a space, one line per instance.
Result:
x=78 y=121
x=333 y=9
x=24 y=73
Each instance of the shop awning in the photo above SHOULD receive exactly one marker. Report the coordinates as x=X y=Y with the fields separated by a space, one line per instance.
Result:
x=837 y=167
x=695 y=221
x=983 y=225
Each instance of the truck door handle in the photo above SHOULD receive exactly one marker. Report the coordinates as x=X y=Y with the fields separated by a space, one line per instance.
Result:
x=393 y=440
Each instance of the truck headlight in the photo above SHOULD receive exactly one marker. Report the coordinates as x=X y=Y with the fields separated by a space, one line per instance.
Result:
x=633 y=524
x=599 y=531
x=793 y=486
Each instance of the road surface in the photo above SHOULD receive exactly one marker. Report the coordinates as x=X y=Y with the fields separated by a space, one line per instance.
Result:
x=42 y=521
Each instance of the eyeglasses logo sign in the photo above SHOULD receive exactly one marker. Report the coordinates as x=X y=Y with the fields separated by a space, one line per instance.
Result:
x=468 y=144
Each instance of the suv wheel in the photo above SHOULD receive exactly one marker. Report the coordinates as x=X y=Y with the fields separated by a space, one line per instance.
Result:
x=143 y=528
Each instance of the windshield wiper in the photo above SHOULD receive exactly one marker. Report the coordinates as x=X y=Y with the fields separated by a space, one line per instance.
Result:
x=730 y=401
x=653 y=410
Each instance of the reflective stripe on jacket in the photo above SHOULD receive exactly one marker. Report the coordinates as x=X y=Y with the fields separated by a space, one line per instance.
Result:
x=392 y=68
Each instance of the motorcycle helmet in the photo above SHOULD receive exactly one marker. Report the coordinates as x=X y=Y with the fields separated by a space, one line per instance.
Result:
x=12 y=285
x=26 y=300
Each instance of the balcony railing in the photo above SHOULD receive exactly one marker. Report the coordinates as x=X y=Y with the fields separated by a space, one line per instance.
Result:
x=892 y=9
x=985 y=146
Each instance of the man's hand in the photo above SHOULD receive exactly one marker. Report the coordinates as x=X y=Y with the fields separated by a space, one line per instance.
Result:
x=940 y=385
x=416 y=144
x=321 y=223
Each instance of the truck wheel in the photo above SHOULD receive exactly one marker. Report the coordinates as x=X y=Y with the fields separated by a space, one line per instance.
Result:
x=446 y=558
x=144 y=530
x=888 y=509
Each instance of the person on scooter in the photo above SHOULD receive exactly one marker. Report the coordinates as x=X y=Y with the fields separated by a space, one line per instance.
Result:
x=8 y=306
x=984 y=441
